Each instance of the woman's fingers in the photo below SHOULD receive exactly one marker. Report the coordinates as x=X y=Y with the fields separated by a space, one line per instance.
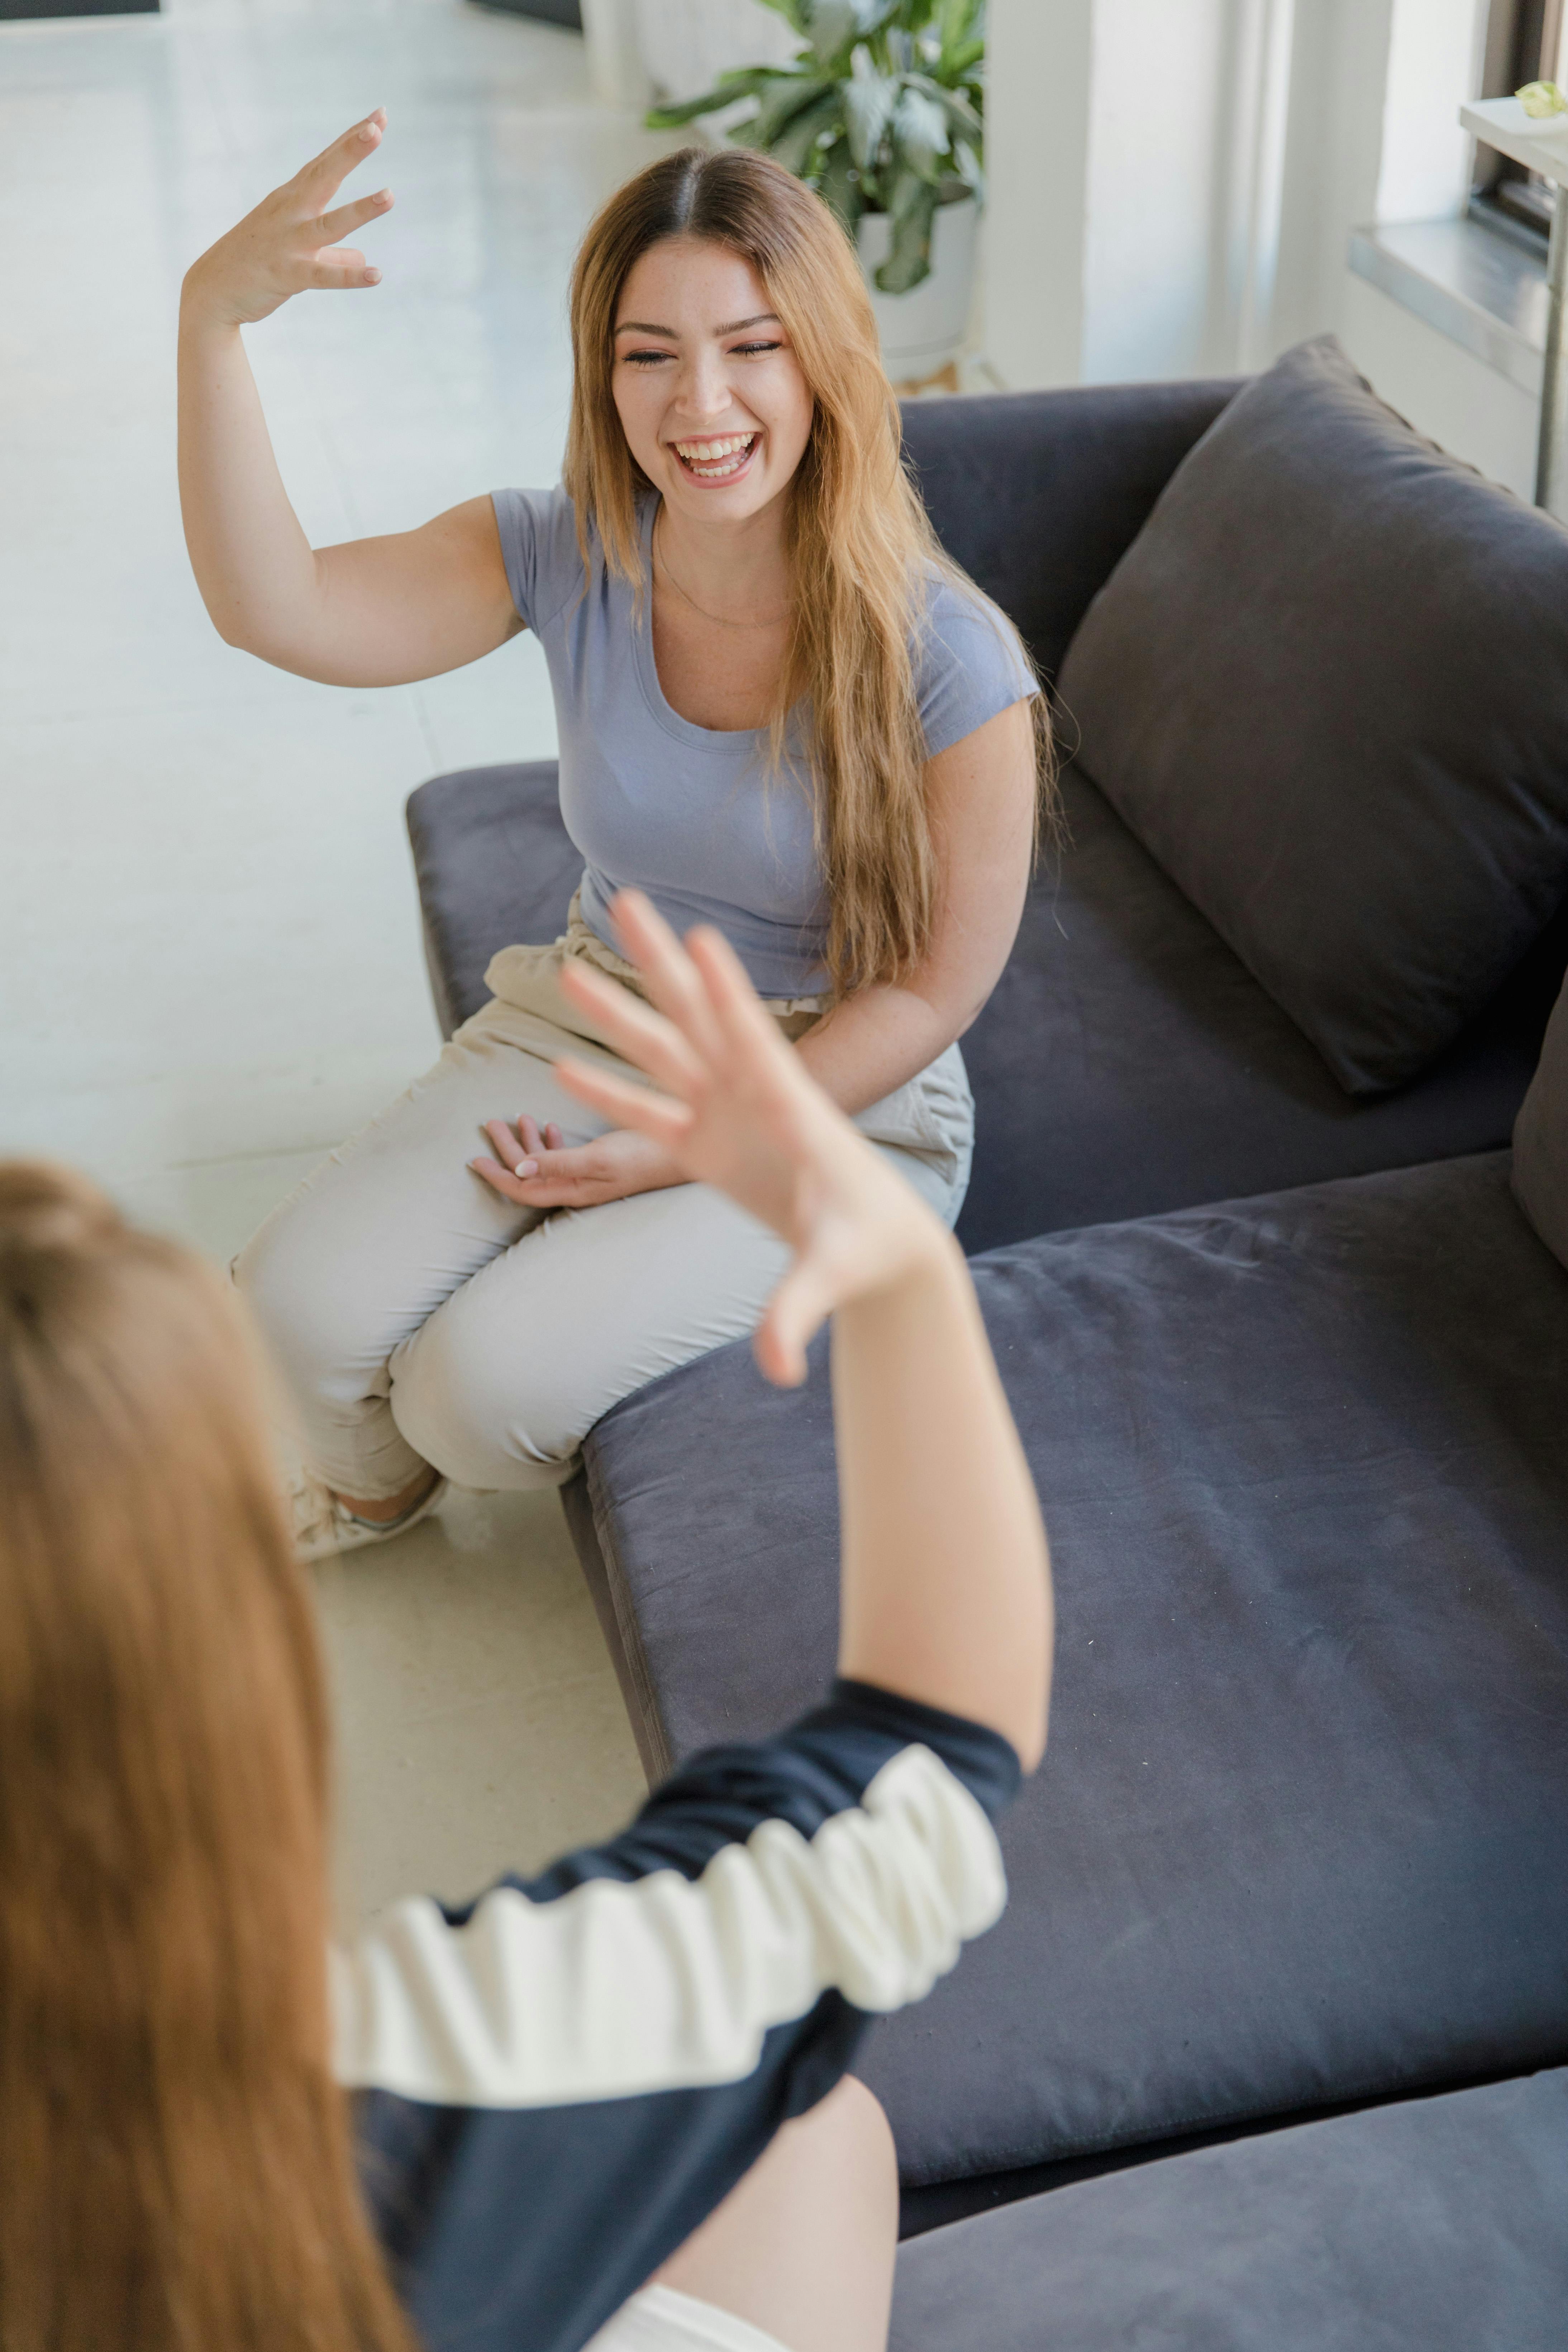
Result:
x=641 y=1035
x=336 y=225
x=795 y=1314
x=500 y=1180
x=514 y=1151
x=665 y=965
x=736 y=1007
x=518 y=1157
x=327 y=171
x=335 y=271
x=666 y=1121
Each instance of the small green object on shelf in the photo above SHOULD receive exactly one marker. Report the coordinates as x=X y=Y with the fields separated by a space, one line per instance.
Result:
x=881 y=112
x=1542 y=98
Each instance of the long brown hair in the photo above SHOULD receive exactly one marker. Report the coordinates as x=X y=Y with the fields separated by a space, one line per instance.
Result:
x=175 y=2158
x=856 y=529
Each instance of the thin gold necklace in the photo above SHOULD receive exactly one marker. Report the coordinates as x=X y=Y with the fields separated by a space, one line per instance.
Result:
x=720 y=620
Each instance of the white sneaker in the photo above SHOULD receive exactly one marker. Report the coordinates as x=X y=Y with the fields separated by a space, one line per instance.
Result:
x=322 y=1526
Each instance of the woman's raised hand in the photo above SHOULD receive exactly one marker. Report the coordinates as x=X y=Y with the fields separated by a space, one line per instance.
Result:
x=291 y=242
x=733 y=1107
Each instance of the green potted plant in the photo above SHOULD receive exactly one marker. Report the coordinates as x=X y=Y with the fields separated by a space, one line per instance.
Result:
x=881 y=112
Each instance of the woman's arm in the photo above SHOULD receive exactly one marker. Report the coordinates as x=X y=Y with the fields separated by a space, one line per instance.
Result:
x=946 y=1592
x=649 y=2012
x=374 y=612
x=981 y=794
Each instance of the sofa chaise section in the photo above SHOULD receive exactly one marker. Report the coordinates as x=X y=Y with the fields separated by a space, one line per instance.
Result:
x=1431 y=2222
x=1303 y=1838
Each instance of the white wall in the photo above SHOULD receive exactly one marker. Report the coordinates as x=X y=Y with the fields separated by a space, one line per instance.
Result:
x=1445 y=392
x=1149 y=267
x=1425 y=168
x=1174 y=184
x=1143 y=155
x=1039 y=58
x=1434 y=65
x=1339 y=72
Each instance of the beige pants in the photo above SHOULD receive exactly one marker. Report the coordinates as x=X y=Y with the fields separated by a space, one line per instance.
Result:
x=418 y=1316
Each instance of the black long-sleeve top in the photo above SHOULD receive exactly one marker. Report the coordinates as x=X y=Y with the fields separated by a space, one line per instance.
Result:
x=559 y=2082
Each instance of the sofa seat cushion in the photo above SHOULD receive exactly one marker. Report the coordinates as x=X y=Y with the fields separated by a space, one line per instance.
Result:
x=1127 y=1063
x=1302 y=1834
x=1430 y=2225
x=1327 y=686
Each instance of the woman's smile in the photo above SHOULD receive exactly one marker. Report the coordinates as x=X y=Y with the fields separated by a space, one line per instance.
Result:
x=722 y=457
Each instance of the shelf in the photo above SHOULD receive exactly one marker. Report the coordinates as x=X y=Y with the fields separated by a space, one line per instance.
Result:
x=1471 y=283
x=1540 y=145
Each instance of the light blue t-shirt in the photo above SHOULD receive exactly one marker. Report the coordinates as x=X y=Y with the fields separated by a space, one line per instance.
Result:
x=699 y=817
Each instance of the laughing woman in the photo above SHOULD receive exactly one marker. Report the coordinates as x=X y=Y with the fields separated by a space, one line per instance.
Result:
x=782 y=710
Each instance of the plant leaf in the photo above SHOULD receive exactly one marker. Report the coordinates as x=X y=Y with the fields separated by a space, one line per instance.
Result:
x=918 y=132
x=910 y=213
x=957 y=65
x=834 y=26
x=796 y=145
x=869 y=103
x=793 y=11
x=838 y=186
x=971 y=170
x=953 y=104
x=958 y=26
x=775 y=114
x=752 y=81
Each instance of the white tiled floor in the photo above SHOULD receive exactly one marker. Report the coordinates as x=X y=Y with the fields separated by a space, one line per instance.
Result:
x=210 y=966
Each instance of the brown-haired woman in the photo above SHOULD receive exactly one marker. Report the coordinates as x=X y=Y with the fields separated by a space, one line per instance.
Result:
x=572 y=2085
x=781 y=711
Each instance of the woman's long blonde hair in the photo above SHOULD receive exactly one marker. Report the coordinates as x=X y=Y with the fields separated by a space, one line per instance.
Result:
x=858 y=532
x=177 y=2160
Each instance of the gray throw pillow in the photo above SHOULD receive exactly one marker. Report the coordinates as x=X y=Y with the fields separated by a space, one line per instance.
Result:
x=1327 y=688
x=1541 y=1139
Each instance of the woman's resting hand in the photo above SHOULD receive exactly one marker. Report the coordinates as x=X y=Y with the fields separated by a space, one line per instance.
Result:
x=733 y=1106
x=537 y=1169
x=290 y=242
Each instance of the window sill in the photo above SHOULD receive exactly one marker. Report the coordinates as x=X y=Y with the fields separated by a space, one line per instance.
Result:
x=1472 y=284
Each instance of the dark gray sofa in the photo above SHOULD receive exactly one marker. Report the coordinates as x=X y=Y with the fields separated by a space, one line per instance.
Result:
x=1292 y=1370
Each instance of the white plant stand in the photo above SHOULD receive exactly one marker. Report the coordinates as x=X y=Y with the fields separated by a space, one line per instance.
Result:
x=1541 y=146
x=924 y=331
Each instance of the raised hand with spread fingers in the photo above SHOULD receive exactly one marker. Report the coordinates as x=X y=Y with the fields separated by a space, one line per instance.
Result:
x=291 y=242
x=733 y=1107
x=370 y=612
x=946 y=1586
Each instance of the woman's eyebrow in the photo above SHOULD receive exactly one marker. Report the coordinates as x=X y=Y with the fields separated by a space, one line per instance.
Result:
x=646 y=327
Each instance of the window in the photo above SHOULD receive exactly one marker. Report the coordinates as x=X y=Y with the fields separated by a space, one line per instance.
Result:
x=1524 y=42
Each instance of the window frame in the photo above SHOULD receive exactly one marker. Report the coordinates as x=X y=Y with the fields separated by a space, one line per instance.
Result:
x=1523 y=44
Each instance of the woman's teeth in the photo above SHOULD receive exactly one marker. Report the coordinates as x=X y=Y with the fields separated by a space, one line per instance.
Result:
x=712 y=460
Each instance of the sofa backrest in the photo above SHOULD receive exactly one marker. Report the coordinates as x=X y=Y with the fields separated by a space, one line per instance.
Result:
x=1040 y=494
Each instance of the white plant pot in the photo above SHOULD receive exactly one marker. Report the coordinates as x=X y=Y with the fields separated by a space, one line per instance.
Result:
x=925 y=329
